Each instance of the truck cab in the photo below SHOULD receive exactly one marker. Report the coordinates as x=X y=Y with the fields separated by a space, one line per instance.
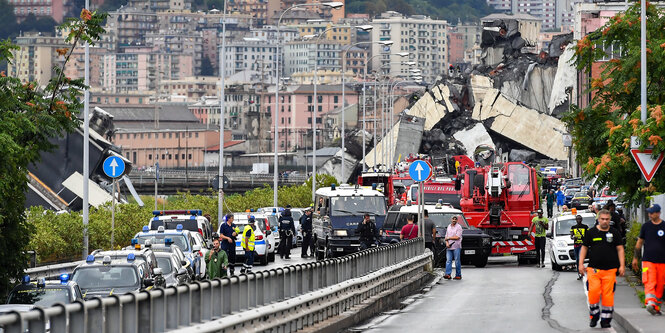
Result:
x=338 y=211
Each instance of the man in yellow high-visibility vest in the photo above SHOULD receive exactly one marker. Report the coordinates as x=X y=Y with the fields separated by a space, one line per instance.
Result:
x=248 y=245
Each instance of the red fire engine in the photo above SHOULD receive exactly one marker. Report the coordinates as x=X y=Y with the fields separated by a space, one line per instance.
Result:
x=501 y=199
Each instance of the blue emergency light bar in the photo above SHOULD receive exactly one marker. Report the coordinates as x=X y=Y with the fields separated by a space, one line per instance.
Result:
x=64 y=278
x=134 y=241
x=146 y=228
x=196 y=212
x=168 y=241
x=131 y=257
x=178 y=227
x=90 y=258
x=25 y=279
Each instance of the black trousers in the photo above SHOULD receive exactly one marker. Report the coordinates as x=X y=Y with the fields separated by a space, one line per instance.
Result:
x=285 y=243
x=306 y=241
x=550 y=211
x=540 y=249
x=231 y=253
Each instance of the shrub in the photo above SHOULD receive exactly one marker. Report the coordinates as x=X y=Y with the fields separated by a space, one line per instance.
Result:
x=631 y=238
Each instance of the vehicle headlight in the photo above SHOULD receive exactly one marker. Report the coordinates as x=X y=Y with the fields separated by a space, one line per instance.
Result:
x=486 y=241
x=561 y=243
x=340 y=233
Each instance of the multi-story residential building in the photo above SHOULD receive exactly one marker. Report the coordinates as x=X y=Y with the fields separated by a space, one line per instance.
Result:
x=470 y=34
x=257 y=9
x=250 y=54
x=211 y=43
x=35 y=57
x=424 y=38
x=103 y=99
x=75 y=68
x=455 y=47
x=125 y=72
x=296 y=111
x=276 y=7
x=555 y=14
x=338 y=33
x=179 y=44
x=38 y=8
x=529 y=26
x=192 y=88
x=301 y=56
x=128 y=26
x=269 y=34
x=354 y=59
x=161 y=5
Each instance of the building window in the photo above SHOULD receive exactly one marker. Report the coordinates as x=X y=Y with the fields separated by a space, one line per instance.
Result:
x=309 y=120
x=336 y=99
x=170 y=135
x=196 y=135
x=163 y=135
x=189 y=156
x=176 y=157
x=183 y=156
x=150 y=156
x=170 y=156
x=163 y=156
x=309 y=99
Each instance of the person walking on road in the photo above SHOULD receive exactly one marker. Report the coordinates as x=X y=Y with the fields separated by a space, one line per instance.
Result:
x=560 y=199
x=430 y=232
x=368 y=233
x=577 y=233
x=228 y=233
x=216 y=261
x=287 y=228
x=652 y=238
x=410 y=230
x=603 y=246
x=248 y=245
x=453 y=241
x=306 y=229
x=540 y=224
x=550 y=197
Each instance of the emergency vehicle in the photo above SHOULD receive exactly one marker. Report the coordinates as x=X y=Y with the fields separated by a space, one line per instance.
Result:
x=184 y=239
x=192 y=220
x=44 y=293
x=501 y=199
x=105 y=277
x=335 y=222
x=434 y=190
x=264 y=238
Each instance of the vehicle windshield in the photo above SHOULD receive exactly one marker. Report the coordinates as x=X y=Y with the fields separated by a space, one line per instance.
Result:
x=165 y=264
x=273 y=221
x=441 y=220
x=518 y=174
x=570 y=191
x=45 y=297
x=563 y=226
x=573 y=182
x=172 y=224
x=103 y=277
x=357 y=206
x=580 y=195
x=433 y=198
x=179 y=240
x=296 y=214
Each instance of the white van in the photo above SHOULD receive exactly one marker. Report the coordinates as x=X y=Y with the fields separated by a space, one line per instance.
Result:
x=264 y=239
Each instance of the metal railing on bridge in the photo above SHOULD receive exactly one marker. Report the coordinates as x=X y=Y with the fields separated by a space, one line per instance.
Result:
x=204 y=175
x=171 y=308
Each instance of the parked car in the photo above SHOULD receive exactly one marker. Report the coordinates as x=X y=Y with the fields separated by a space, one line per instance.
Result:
x=581 y=200
x=184 y=239
x=264 y=238
x=172 y=269
x=192 y=220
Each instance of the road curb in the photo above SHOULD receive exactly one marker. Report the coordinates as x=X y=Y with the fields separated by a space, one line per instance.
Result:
x=629 y=326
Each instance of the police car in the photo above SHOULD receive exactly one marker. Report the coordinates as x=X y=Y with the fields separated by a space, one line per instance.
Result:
x=179 y=257
x=29 y=294
x=184 y=239
x=264 y=238
x=139 y=254
x=192 y=220
x=105 y=276
x=562 y=251
x=173 y=270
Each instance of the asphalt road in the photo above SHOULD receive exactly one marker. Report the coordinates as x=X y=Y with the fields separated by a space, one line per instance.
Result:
x=502 y=297
x=295 y=259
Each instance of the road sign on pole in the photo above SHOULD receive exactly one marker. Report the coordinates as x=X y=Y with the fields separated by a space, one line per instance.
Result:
x=114 y=166
x=645 y=161
x=420 y=170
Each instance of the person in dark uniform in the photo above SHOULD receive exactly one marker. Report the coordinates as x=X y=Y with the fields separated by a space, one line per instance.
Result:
x=368 y=233
x=287 y=229
x=577 y=233
x=306 y=229
x=229 y=231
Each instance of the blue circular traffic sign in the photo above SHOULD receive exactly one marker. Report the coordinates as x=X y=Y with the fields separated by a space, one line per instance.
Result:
x=114 y=166
x=420 y=170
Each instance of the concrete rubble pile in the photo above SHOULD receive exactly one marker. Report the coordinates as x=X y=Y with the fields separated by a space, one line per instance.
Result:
x=513 y=101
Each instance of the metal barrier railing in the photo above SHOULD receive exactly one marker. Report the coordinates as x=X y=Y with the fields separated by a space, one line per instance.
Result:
x=52 y=271
x=182 y=306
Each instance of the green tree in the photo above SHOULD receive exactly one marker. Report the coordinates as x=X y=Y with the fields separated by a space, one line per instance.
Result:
x=29 y=117
x=7 y=20
x=601 y=130
x=206 y=67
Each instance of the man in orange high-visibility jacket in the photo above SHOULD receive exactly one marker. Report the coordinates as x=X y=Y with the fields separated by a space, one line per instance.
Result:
x=604 y=247
x=652 y=236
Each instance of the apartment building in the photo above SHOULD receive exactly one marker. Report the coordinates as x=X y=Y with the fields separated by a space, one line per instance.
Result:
x=424 y=38
x=302 y=56
x=38 y=8
x=35 y=57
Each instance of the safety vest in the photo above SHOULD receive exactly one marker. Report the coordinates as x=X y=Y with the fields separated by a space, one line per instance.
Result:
x=250 y=241
x=578 y=234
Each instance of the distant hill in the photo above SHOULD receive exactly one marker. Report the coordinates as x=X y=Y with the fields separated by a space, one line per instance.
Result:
x=468 y=11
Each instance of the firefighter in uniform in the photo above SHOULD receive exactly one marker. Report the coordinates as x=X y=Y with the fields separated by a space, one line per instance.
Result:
x=605 y=250
x=287 y=229
x=652 y=236
x=577 y=233
x=248 y=245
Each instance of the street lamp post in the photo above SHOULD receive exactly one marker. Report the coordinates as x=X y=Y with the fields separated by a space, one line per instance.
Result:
x=316 y=101
x=222 y=97
x=333 y=5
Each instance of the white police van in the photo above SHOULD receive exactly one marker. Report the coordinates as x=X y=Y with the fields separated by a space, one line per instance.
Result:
x=562 y=252
x=192 y=220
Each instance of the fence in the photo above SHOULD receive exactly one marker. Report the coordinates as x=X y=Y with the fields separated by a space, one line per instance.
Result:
x=183 y=306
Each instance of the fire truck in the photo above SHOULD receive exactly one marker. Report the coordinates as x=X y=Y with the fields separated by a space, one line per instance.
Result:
x=501 y=199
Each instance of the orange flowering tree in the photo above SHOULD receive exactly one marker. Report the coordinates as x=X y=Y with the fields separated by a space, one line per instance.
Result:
x=601 y=130
x=30 y=116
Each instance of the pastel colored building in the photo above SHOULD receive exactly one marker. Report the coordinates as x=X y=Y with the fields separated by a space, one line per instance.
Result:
x=38 y=8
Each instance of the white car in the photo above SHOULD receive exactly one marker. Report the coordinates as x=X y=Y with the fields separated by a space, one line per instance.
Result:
x=264 y=239
x=562 y=252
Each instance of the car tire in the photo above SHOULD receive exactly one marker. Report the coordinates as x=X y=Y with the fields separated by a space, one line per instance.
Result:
x=264 y=259
x=271 y=257
x=482 y=262
x=555 y=266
